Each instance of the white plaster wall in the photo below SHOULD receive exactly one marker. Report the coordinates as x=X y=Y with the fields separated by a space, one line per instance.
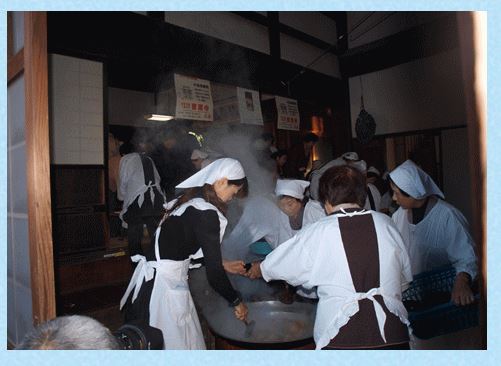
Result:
x=422 y=94
x=303 y=54
x=370 y=31
x=237 y=30
x=76 y=110
x=311 y=22
x=223 y=25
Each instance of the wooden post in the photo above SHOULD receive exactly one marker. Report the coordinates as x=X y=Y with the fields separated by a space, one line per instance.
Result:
x=38 y=166
x=472 y=41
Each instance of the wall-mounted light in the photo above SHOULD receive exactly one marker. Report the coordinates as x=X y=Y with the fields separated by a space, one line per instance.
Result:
x=158 y=117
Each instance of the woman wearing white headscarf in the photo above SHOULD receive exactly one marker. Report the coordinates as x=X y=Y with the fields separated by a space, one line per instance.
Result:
x=435 y=232
x=192 y=227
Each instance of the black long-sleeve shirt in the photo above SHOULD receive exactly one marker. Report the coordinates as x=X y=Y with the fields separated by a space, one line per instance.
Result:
x=183 y=235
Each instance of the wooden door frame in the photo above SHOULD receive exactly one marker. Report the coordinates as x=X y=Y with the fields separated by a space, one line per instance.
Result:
x=473 y=62
x=32 y=62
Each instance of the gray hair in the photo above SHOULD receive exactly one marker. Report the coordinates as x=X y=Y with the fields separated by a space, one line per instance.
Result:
x=70 y=332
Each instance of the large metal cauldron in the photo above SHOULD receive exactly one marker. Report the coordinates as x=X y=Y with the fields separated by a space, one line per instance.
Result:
x=275 y=322
x=277 y=325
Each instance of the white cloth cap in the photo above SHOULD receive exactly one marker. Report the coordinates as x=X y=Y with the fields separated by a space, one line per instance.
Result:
x=414 y=181
x=197 y=154
x=351 y=155
x=360 y=165
x=221 y=168
x=373 y=170
x=291 y=187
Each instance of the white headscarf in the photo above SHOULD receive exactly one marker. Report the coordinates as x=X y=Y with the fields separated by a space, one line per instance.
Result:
x=361 y=165
x=291 y=187
x=221 y=168
x=411 y=179
x=350 y=155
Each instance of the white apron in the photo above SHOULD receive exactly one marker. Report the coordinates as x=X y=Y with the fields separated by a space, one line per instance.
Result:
x=171 y=306
x=302 y=261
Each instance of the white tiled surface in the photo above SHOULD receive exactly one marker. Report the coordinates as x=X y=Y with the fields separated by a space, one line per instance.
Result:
x=76 y=98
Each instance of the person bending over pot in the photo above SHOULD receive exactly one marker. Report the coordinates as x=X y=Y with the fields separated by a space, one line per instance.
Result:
x=357 y=260
x=274 y=219
x=192 y=227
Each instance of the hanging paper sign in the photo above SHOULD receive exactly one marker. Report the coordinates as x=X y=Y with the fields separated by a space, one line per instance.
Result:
x=288 y=114
x=193 y=98
x=249 y=106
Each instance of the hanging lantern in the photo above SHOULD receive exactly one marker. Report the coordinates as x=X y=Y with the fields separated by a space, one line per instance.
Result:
x=365 y=126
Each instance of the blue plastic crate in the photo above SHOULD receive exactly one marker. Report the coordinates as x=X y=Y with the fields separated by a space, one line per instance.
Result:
x=261 y=248
x=431 y=313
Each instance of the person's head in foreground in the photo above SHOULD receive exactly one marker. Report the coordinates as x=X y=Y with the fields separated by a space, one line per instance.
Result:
x=70 y=332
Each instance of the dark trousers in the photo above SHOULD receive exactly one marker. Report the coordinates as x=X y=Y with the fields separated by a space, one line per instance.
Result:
x=136 y=217
x=135 y=232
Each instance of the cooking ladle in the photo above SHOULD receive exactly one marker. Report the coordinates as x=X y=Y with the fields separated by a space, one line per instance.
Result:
x=249 y=327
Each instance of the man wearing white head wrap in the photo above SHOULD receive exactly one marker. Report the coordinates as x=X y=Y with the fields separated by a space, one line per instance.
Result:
x=300 y=212
x=295 y=214
x=291 y=187
x=262 y=218
x=290 y=193
x=192 y=227
x=435 y=232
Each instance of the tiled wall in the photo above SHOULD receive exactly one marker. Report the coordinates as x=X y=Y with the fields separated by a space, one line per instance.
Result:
x=19 y=304
x=76 y=110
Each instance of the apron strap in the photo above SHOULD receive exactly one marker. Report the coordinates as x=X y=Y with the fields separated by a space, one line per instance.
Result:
x=380 y=314
x=149 y=177
x=157 y=234
x=144 y=271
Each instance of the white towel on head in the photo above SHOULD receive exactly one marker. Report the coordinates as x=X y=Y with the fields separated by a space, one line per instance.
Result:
x=361 y=165
x=351 y=155
x=291 y=187
x=221 y=168
x=414 y=181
